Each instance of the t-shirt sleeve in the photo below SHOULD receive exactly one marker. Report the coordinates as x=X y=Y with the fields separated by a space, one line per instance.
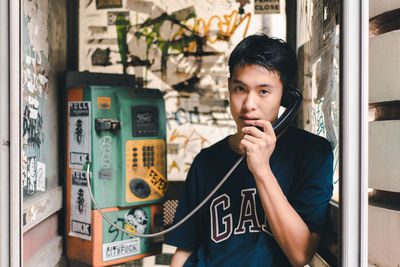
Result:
x=314 y=191
x=186 y=236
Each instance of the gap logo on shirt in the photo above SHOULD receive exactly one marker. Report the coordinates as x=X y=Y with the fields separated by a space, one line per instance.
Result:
x=248 y=220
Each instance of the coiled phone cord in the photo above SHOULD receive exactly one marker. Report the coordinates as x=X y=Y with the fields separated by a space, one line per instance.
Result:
x=177 y=224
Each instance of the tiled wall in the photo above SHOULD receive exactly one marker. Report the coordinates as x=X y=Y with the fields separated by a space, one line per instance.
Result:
x=384 y=133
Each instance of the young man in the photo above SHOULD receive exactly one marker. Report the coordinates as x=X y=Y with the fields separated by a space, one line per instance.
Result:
x=273 y=208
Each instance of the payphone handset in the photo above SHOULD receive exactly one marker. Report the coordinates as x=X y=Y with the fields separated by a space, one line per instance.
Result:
x=291 y=100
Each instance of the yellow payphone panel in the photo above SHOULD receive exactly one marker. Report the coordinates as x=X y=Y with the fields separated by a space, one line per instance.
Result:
x=145 y=170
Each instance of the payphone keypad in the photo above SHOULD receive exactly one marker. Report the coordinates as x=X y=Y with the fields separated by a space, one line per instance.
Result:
x=148 y=156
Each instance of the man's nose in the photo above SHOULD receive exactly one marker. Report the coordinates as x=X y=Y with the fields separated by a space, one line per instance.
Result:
x=249 y=102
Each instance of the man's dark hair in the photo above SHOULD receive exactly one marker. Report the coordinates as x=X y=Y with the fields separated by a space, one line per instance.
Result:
x=271 y=53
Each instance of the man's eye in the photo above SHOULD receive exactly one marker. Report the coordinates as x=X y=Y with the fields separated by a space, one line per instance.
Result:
x=264 y=92
x=239 y=89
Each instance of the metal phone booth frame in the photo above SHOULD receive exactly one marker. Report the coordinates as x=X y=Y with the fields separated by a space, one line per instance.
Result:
x=354 y=133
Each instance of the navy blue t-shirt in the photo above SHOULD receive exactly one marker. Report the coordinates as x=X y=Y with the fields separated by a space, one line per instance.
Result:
x=231 y=228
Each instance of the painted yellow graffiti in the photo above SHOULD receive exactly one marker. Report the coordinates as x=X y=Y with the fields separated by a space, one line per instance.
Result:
x=187 y=164
x=175 y=165
x=172 y=166
x=226 y=28
x=194 y=136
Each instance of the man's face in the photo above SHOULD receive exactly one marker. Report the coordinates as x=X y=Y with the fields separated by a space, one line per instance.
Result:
x=254 y=94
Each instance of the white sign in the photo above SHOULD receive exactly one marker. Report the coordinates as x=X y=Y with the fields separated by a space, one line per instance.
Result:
x=121 y=249
x=79 y=133
x=266 y=7
x=80 y=221
x=41 y=177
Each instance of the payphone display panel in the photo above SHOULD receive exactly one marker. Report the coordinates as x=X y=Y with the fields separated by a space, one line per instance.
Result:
x=144 y=121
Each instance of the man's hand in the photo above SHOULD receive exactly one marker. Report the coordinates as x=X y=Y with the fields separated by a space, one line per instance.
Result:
x=259 y=146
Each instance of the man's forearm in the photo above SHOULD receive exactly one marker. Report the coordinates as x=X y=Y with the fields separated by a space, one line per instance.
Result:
x=180 y=257
x=288 y=228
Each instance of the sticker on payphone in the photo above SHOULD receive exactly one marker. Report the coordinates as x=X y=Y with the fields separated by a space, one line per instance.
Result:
x=81 y=220
x=103 y=102
x=136 y=221
x=117 y=244
x=157 y=181
x=79 y=128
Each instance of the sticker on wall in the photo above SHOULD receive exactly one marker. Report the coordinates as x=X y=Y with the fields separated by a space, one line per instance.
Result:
x=31 y=175
x=112 y=17
x=80 y=224
x=24 y=169
x=266 y=7
x=102 y=4
x=33 y=101
x=41 y=177
x=79 y=133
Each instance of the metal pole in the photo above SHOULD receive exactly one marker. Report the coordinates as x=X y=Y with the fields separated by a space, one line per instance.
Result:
x=15 y=133
x=354 y=140
x=364 y=132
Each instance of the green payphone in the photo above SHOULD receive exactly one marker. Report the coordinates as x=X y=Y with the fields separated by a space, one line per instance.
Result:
x=120 y=130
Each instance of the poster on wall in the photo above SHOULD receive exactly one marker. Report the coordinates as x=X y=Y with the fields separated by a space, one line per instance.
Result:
x=266 y=7
x=79 y=133
x=80 y=219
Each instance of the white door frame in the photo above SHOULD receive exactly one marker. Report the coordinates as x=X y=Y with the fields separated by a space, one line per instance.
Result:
x=354 y=133
x=11 y=132
x=4 y=136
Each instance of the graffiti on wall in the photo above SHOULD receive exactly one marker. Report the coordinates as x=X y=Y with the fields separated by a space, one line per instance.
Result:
x=35 y=91
x=180 y=47
x=319 y=70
